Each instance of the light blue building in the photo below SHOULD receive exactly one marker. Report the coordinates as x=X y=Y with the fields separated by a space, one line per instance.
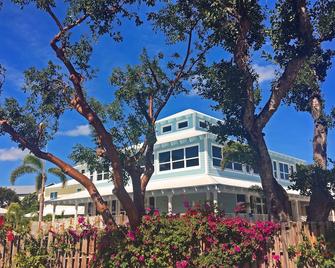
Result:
x=188 y=171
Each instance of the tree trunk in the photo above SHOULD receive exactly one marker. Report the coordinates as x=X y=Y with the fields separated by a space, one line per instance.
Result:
x=41 y=199
x=321 y=200
x=276 y=197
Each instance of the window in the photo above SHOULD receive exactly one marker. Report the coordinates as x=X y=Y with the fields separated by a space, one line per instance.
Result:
x=53 y=195
x=240 y=198
x=183 y=124
x=258 y=205
x=82 y=171
x=217 y=156
x=78 y=190
x=103 y=174
x=203 y=124
x=248 y=168
x=275 y=173
x=283 y=171
x=91 y=175
x=166 y=128
x=180 y=158
x=152 y=202
x=113 y=207
x=291 y=170
x=238 y=166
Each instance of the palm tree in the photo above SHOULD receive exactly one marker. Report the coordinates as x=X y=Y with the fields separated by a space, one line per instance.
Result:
x=32 y=164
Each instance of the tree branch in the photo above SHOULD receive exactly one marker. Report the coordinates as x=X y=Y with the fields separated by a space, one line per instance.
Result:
x=66 y=168
x=177 y=78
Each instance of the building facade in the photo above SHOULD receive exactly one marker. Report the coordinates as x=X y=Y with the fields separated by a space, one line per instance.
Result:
x=188 y=173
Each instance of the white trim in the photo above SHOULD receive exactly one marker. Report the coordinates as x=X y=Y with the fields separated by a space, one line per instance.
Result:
x=206 y=153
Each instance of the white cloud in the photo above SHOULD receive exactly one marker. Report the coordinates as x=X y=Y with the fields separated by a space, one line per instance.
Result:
x=81 y=130
x=265 y=73
x=12 y=154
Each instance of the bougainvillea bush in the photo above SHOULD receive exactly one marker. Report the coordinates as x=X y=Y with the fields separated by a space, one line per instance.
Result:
x=196 y=239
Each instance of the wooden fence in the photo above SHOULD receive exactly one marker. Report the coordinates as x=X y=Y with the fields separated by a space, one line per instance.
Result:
x=290 y=234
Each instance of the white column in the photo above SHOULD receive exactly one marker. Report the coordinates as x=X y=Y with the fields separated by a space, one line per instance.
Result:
x=247 y=197
x=297 y=214
x=215 y=200
x=53 y=212
x=333 y=215
x=76 y=213
x=169 y=204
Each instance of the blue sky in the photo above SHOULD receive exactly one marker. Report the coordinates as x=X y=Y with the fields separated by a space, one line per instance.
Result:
x=25 y=37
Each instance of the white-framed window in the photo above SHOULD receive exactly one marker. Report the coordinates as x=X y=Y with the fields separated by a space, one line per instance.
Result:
x=234 y=166
x=203 y=124
x=275 y=171
x=292 y=169
x=216 y=156
x=258 y=205
x=166 y=128
x=183 y=124
x=103 y=174
x=91 y=175
x=53 y=195
x=180 y=158
x=283 y=171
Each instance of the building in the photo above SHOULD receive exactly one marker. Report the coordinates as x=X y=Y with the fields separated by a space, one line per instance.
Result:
x=188 y=169
x=22 y=190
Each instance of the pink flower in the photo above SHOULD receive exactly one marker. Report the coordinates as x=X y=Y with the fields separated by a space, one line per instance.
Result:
x=148 y=210
x=10 y=236
x=237 y=249
x=131 y=235
x=141 y=258
x=276 y=257
x=81 y=219
x=181 y=264
x=156 y=212
x=2 y=221
x=146 y=217
x=154 y=258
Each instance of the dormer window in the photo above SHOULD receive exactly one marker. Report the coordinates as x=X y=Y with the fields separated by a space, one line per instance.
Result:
x=183 y=124
x=166 y=129
x=202 y=124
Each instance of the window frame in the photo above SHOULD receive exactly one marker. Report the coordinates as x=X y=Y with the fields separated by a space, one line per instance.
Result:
x=167 y=125
x=53 y=195
x=275 y=169
x=184 y=159
x=180 y=122
x=286 y=176
x=204 y=122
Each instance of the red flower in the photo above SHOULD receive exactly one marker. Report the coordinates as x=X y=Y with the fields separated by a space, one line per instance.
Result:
x=10 y=236
x=156 y=212
x=2 y=221
x=131 y=235
x=181 y=264
x=141 y=258
x=276 y=257
x=81 y=219
x=237 y=249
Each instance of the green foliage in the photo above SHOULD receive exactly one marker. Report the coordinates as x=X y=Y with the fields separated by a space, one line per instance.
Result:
x=240 y=153
x=7 y=196
x=309 y=177
x=33 y=256
x=29 y=203
x=15 y=218
x=308 y=254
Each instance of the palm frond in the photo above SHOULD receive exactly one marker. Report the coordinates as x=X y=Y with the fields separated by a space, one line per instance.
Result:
x=59 y=173
x=31 y=160
x=20 y=171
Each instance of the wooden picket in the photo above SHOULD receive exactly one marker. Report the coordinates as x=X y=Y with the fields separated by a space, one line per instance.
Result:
x=290 y=234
